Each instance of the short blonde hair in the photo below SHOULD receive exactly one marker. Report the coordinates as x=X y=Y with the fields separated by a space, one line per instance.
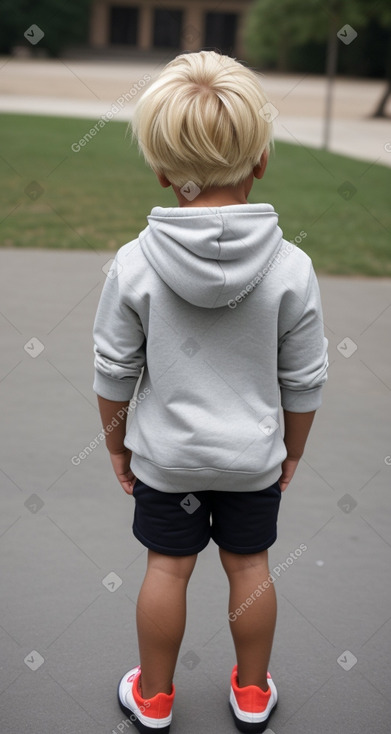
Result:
x=201 y=120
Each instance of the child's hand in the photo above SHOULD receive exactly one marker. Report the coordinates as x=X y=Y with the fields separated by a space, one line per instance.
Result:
x=123 y=472
x=288 y=467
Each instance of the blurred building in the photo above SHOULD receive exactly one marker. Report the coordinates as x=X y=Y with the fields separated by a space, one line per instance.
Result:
x=172 y=24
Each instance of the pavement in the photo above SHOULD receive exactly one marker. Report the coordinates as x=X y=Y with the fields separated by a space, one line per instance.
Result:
x=71 y=568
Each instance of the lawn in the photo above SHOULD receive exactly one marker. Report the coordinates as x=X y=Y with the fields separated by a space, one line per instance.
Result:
x=338 y=209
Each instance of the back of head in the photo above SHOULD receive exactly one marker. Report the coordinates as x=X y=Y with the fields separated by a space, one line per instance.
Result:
x=200 y=121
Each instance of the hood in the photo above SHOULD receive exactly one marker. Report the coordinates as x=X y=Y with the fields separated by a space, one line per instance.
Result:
x=208 y=255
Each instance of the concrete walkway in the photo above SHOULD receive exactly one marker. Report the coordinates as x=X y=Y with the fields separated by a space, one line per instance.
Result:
x=89 y=89
x=71 y=568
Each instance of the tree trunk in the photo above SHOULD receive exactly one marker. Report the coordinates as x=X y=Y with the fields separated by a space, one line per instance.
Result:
x=380 y=110
x=331 y=69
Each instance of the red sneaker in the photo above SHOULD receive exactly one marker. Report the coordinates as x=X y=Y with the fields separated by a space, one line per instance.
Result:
x=148 y=715
x=251 y=707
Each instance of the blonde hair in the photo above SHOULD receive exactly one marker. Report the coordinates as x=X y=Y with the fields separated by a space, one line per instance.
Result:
x=201 y=120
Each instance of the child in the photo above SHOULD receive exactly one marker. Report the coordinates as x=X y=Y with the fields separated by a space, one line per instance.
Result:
x=221 y=317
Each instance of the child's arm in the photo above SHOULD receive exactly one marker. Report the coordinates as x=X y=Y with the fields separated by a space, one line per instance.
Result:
x=115 y=430
x=119 y=360
x=297 y=428
x=302 y=368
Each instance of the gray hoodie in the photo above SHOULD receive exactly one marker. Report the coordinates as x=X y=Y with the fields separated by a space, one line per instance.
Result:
x=223 y=318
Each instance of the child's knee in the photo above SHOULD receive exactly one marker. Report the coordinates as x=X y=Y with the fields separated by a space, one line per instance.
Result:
x=241 y=563
x=180 y=567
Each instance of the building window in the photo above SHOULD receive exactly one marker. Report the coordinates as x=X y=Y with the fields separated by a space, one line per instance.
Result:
x=167 y=28
x=124 y=25
x=220 y=31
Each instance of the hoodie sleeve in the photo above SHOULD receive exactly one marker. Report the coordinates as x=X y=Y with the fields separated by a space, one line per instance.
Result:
x=302 y=356
x=119 y=342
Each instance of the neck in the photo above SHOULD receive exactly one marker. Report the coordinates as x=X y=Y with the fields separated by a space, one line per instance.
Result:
x=215 y=196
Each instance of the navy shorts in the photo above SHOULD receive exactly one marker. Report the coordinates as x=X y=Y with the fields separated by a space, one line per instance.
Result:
x=182 y=524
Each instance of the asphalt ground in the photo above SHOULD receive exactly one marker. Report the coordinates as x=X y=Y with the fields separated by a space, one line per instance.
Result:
x=71 y=568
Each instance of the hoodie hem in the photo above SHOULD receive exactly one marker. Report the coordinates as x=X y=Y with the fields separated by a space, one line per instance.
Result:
x=181 y=479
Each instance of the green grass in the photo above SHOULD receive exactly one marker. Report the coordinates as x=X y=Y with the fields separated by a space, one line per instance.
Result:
x=99 y=197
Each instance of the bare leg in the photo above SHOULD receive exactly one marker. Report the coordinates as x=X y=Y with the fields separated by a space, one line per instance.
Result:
x=253 y=630
x=161 y=619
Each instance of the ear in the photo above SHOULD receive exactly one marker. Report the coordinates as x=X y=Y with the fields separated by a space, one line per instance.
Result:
x=260 y=168
x=163 y=180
